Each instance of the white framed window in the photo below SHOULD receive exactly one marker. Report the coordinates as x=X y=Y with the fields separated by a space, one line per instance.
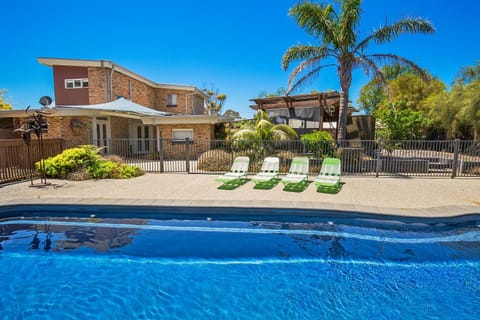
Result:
x=182 y=134
x=76 y=83
x=171 y=100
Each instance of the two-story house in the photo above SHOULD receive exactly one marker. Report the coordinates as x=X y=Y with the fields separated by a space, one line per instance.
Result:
x=100 y=101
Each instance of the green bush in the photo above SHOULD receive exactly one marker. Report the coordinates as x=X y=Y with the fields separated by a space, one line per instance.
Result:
x=319 y=143
x=84 y=162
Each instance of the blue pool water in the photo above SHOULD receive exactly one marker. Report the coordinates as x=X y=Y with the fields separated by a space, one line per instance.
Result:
x=237 y=267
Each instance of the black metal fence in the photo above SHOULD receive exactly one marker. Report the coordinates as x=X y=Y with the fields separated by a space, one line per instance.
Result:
x=375 y=158
x=451 y=158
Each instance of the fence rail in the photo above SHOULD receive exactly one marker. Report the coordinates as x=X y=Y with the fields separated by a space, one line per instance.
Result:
x=451 y=158
x=17 y=160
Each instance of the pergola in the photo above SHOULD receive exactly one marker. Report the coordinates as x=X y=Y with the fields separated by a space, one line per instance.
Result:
x=301 y=106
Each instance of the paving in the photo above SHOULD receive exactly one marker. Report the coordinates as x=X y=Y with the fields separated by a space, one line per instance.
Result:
x=422 y=197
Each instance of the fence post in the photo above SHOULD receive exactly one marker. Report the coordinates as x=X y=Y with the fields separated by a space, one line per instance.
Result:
x=378 y=164
x=160 y=153
x=456 y=149
x=187 y=154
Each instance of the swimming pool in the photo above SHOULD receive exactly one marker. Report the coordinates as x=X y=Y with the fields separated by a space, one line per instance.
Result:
x=221 y=263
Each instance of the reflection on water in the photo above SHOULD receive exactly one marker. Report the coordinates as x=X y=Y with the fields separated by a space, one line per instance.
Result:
x=57 y=238
x=241 y=239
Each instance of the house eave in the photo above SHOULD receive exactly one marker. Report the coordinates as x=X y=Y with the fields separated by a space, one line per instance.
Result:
x=51 y=62
x=185 y=119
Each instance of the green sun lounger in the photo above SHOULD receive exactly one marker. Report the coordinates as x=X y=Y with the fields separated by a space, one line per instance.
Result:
x=268 y=173
x=298 y=172
x=237 y=173
x=329 y=177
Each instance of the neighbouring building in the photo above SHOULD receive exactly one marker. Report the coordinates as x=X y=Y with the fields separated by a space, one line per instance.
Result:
x=315 y=111
x=102 y=102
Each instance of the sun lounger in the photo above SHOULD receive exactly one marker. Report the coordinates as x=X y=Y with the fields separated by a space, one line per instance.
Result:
x=298 y=172
x=237 y=173
x=329 y=177
x=269 y=171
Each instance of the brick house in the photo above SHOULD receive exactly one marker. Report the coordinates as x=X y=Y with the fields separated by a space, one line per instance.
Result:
x=99 y=101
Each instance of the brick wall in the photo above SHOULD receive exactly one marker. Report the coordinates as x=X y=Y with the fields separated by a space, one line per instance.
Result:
x=68 y=128
x=200 y=131
x=7 y=125
x=97 y=86
x=133 y=90
x=161 y=101
x=119 y=128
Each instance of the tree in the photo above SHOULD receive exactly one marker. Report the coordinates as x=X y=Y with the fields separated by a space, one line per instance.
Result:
x=257 y=137
x=403 y=108
x=231 y=113
x=337 y=34
x=3 y=103
x=458 y=111
x=215 y=101
x=374 y=92
x=261 y=129
x=280 y=92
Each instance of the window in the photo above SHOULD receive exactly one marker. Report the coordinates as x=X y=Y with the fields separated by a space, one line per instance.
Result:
x=172 y=100
x=76 y=83
x=182 y=134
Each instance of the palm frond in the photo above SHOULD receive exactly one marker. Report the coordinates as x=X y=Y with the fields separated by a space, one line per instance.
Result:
x=303 y=52
x=370 y=66
x=244 y=134
x=263 y=125
x=315 y=19
x=393 y=58
x=287 y=130
x=309 y=64
x=310 y=76
x=349 y=20
x=390 y=32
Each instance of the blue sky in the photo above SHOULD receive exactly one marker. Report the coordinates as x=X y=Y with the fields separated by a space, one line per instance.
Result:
x=233 y=46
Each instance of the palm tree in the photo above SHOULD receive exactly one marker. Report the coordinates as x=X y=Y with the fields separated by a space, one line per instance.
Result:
x=263 y=130
x=257 y=137
x=338 y=41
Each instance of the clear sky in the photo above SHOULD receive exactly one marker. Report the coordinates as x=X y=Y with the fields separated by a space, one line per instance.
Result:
x=233 y=46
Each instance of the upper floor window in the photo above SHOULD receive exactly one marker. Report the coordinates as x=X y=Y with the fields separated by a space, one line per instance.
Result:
x=76 y=83
x=172 y=100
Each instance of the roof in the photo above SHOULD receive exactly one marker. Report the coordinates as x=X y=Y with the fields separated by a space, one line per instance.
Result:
x=328 y=98
x=122 y=108
x=120 y=105
x=117 y=68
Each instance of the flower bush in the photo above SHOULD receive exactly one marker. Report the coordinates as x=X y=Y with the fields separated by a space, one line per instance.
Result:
x=85 y=162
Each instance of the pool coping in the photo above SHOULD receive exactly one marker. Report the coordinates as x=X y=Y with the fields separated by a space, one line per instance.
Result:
x=432 y=212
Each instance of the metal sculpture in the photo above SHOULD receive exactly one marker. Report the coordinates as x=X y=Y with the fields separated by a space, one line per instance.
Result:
x=35 y=123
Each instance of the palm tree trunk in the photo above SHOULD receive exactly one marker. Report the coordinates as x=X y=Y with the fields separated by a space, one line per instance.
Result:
x=345 y=82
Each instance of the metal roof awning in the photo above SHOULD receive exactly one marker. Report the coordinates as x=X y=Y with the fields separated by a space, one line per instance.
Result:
x=120 y=105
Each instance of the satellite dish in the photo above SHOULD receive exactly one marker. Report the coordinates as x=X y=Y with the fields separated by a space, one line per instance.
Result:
x=45 y=101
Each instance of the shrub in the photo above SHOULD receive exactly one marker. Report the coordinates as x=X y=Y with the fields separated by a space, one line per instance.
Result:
x=319 y=143
x=215 y=160
x=69 y=161
x=103 y=169
x=84 y=163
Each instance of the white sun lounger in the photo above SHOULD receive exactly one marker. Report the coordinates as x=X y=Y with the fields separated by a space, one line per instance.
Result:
x=268 y=172
x=298 y=172
x=238 y=171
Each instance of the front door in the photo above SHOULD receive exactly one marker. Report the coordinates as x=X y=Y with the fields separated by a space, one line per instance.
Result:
x=101 y=133
x=143 y=139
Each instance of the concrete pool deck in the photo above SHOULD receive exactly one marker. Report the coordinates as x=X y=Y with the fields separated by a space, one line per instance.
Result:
x=422 y=197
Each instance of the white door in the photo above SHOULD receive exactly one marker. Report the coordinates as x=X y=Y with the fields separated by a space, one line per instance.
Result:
x=143 y=139
x=101 y=133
